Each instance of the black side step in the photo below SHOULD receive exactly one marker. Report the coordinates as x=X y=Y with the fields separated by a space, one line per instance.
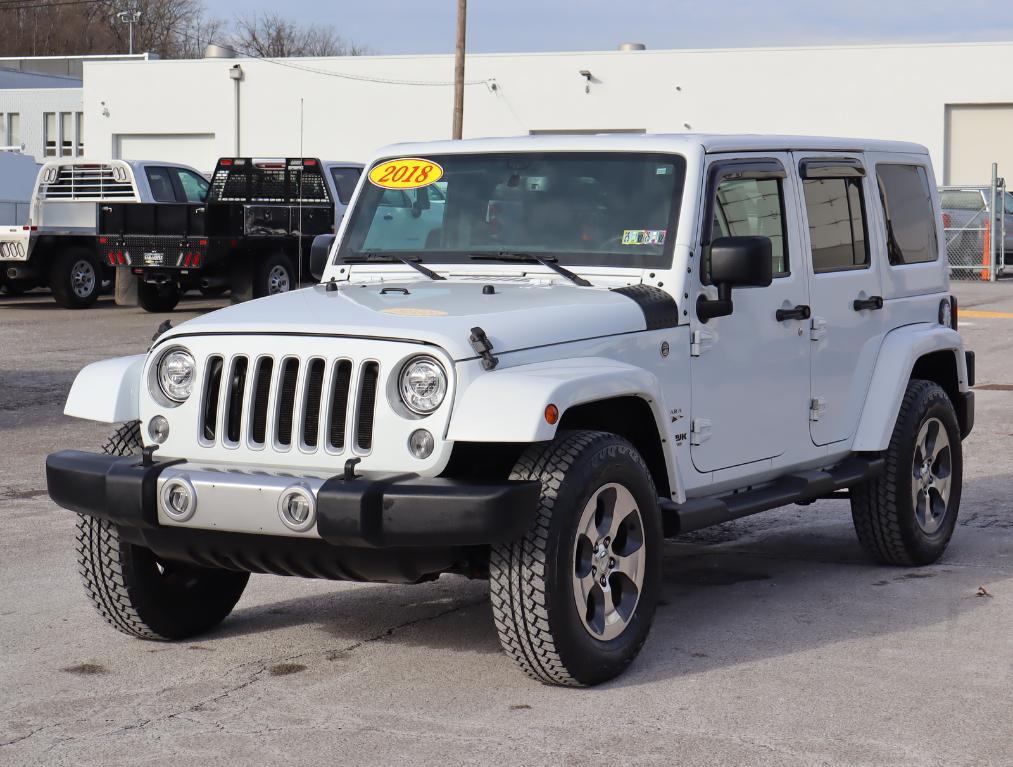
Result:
x=803 y=487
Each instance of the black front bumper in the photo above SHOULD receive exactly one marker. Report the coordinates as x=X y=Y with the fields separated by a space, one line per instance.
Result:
x=371 y=511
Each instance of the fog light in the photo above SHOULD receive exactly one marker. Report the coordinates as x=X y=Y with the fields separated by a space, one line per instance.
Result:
x=158 y=429
x=179 y=499
x=421 y=444
x=297 y=508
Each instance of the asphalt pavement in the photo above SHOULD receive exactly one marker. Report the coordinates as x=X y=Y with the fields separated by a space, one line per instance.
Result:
x=777 y=642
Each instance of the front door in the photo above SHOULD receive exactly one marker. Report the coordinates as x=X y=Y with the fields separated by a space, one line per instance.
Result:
x=844 y=291
x=750 y=369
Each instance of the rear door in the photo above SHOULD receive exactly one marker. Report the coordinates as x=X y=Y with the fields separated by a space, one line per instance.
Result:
x=845 y=290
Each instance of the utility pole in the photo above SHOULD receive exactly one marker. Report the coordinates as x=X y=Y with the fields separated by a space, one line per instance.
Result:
x=462 y=26
x=130 y=18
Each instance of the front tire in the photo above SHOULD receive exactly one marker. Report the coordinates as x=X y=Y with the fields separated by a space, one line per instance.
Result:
x=75 y=278
x=139 y=594
x=907 y=515
x=573 y=599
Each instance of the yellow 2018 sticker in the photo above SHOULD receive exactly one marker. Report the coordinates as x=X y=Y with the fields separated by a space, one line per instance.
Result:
x=406 y=173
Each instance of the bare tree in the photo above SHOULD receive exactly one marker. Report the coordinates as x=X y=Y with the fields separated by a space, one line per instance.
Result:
x=271 y=35
x=170 y=28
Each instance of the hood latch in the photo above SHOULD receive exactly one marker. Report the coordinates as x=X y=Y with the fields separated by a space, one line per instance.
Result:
x=483 y=348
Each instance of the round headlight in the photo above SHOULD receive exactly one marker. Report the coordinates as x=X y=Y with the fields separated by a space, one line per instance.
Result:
x=175 y=374
x=423 y=385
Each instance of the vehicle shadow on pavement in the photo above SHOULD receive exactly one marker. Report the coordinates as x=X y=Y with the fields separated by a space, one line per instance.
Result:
x=787 y=582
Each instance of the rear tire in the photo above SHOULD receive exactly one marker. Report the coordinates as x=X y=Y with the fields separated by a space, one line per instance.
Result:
x=136 y=592
x=598 y=518
x=158 y=298
x=75 y=278
x=907 y=515
x=273 y=274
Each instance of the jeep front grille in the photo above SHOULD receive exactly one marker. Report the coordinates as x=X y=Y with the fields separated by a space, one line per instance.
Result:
x=260 y=403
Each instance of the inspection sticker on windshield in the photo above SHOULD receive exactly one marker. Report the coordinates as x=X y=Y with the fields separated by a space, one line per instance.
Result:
x=644 y=236
x=406 y=173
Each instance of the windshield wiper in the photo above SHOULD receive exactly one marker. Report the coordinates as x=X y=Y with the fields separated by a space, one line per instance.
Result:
x=550 y=262
x=389 y=258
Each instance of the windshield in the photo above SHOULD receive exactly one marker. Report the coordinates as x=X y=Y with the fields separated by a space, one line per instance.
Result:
x=593 y=208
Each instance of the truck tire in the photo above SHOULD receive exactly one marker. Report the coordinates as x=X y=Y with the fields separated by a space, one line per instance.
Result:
x=136 y=592
x=75 y=278
x=158 y=298
x=598 y=523
x=273 y=274
x=907 y=515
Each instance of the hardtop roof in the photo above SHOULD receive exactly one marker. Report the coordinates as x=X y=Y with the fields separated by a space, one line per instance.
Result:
x=653 y=142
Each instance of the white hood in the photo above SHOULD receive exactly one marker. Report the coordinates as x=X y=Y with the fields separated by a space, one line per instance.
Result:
x=515 y=316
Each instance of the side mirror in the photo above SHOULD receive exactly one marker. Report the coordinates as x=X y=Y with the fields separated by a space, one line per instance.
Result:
x=421 y=202
x=735 y=262
x=319 y=251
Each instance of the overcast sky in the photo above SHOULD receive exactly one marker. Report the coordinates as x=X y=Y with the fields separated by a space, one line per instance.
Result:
x=427 y=26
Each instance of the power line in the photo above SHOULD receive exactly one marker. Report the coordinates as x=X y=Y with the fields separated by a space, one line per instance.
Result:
x=341 y=75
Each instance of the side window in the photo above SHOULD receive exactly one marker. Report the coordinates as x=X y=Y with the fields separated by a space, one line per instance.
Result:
x=745 y=207
x=345 y=180
x=395 y=198
x=910 y=224
x=836 y=213
x=195 y=187
x=161 y=184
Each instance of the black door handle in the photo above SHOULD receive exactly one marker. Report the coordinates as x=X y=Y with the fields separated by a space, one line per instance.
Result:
x=871 y=303
x=800 y=312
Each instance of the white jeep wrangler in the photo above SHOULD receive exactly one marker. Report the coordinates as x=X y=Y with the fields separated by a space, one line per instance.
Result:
x=565 y=350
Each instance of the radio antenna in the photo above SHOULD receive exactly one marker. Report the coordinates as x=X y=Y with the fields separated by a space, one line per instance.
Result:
x=302 y=171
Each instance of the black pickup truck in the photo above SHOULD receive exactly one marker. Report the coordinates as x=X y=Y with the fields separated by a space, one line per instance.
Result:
x=252 y=235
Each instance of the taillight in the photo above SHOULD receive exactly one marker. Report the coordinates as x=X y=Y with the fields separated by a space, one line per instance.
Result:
x=947 y=221
x=112 y=258
x=103 y=240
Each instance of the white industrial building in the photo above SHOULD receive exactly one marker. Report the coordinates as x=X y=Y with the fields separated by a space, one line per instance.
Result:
x=954 y=98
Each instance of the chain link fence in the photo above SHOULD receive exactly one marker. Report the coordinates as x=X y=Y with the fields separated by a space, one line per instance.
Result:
x=976 y=240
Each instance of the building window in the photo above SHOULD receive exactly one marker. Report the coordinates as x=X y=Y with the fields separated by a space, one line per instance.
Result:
x=835 y=209
x=79 y=122
x=910 y=222
x=49 y=133
x=66 y=134
x=14 y=129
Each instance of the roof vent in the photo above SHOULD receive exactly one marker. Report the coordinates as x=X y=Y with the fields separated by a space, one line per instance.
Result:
x=215 y=51
x=632 y=47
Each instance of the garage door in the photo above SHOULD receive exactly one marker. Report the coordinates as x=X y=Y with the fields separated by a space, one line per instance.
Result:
x=976 y=137
x=195 y=149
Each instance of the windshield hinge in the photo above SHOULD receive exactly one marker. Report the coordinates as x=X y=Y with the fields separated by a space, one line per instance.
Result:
x=483 y=348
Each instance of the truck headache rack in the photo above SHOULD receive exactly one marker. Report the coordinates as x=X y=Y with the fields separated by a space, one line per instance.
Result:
x=87 y=182
x=286 y=181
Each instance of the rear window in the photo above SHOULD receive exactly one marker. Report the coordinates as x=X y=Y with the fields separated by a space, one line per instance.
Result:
x=910 y=223
x=345 y=180
x=950 y=199
x=161 y=185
